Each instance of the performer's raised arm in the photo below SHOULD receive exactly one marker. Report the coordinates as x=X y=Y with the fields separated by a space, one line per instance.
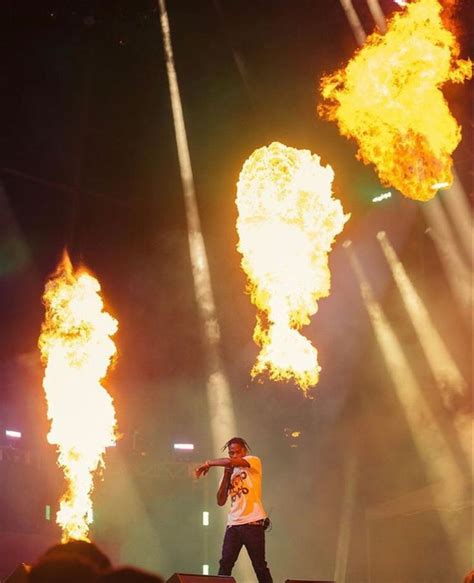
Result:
x=225 y=462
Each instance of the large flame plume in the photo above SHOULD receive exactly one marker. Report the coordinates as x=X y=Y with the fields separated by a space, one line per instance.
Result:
x=76 y=348
x=287 y=223
x=389 y=99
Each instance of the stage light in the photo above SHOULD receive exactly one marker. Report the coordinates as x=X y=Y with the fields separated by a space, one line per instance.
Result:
x=427 y=433
x=439 y=185
x=205 y=569
x=347 y=515
x=354 y=21
x=205 y=518
x=221 y=409
x=447 y=375
x=219 y=397
x=184 y=446
x=382 y=196
x=457 y=206
x=444 y=238
x=13 y=434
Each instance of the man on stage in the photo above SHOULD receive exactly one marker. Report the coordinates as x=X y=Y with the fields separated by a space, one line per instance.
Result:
x=247 y=520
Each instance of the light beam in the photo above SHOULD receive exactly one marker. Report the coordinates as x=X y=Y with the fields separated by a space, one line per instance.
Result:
x=432 y=445
x=447 y=375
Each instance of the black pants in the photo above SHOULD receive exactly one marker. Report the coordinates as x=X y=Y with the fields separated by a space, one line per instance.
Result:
x=252 y=537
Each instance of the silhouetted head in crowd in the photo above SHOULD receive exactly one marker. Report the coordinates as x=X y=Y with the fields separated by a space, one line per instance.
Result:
x=72 y=562
x=63 y=569
x=129 y=575
x=85 y=550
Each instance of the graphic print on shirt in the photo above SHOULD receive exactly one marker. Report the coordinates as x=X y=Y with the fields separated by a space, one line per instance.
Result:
x=238 y=487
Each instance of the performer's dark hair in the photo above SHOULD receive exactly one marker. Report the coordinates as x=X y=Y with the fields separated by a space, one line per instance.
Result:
x=240 y=440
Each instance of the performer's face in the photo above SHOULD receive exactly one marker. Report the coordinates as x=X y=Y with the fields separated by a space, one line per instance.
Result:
x=236 y=450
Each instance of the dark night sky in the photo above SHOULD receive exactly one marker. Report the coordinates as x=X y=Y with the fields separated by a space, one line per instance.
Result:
x=88 y=161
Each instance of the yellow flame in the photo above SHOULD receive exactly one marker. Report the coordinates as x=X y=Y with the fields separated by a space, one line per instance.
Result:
x=287 y=223
x=389 y=100
x=76 y=348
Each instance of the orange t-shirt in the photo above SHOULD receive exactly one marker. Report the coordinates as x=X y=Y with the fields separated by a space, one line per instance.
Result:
x=245 y=493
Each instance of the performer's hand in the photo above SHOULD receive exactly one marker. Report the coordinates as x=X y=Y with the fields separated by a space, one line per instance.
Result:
x=202 y=470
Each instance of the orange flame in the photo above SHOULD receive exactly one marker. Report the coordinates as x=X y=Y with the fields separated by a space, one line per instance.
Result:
x=76 y=348
x=287 y=223
x=388 y=98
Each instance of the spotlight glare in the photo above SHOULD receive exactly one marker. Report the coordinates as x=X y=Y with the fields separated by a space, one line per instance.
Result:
x=184 y=446
x=426 y=432
x=440 y=185
x=219 y=396
x=382 y=196
x=444 y=238
x=13 y=434
x=429 y=436
x=447 y=375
